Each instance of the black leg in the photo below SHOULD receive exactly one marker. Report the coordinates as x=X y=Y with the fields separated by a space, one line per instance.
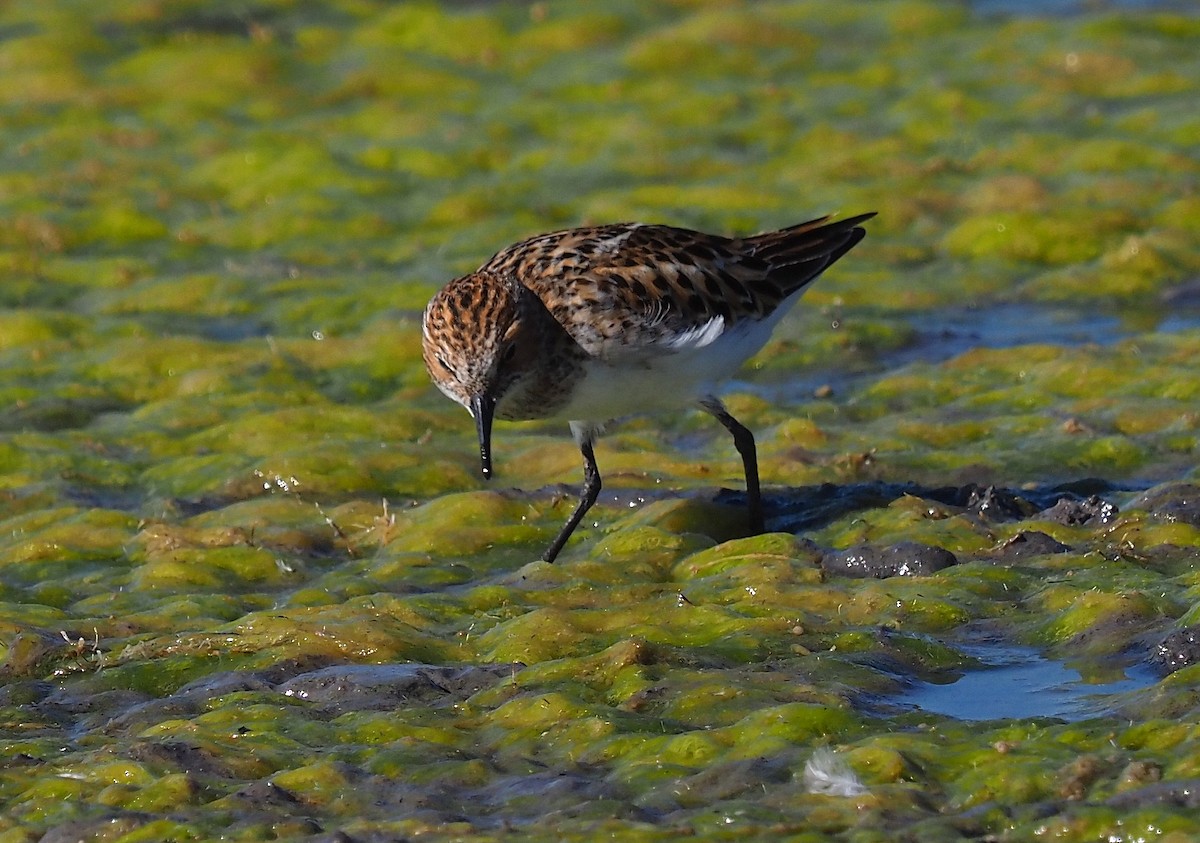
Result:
x=587 y=497
x=743 y=440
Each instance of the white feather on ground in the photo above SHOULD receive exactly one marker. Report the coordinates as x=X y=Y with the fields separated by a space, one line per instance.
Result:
x=826 y=773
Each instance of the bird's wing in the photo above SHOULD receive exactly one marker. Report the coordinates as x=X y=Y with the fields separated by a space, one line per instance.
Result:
x=630 y=289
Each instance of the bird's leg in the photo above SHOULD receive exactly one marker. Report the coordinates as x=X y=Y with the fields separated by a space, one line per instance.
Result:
x=743 y=440
x=587 y=496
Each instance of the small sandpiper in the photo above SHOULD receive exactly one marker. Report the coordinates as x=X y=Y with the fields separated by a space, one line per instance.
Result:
x=591 y=324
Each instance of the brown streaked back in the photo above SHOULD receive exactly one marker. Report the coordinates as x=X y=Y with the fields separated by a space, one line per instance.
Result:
x=645 y=282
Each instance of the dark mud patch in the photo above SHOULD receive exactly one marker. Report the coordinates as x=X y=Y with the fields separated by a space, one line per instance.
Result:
x=808 y=507
x=382 y=687
x=1181 y=793
x=1179 y=502
x=49 y=414
x=1179 y=649
x=906 y=559
x=1027 y=544
x=82 y=707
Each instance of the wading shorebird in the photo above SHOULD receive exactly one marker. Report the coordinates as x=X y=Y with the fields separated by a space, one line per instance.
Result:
x=590 y=324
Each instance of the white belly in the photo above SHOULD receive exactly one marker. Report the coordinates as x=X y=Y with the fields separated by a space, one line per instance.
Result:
x=667 y=379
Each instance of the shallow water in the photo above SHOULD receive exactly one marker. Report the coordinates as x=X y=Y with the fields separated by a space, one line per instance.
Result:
x=937 y=335
x=252 y=586
x=1075 y=7
x=1015 y=682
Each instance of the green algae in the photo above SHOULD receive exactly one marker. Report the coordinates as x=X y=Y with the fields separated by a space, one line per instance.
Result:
x=219 y=451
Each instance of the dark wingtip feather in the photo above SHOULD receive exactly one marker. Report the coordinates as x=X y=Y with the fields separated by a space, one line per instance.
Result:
x=806 y=250
x=809 y=241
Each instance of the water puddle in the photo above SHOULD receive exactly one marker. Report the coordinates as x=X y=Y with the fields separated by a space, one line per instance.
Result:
x=1015 y=682
x=1060 y=8
x=943 y=334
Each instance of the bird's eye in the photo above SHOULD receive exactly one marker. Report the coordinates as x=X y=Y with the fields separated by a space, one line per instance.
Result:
x=509 y=354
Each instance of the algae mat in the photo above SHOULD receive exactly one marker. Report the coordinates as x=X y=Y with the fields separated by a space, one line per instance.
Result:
x=251 y=586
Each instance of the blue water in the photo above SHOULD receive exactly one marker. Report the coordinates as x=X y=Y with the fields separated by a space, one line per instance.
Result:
x=1017 y=683
x=943 y=334
x=1041 y=8
x=946 y=333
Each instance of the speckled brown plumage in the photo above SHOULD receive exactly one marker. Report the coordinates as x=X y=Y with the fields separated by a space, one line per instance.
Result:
x=648 y=281
x=593 y=323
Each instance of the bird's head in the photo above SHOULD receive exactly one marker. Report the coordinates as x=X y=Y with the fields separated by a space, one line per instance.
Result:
x=479 y=342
